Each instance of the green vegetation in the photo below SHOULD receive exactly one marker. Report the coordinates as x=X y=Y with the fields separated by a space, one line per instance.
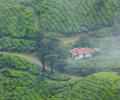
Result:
x=22 y=80
x=68 y=16
x=49 y=51
x=17 y=45
x=45 y=30
x=104 y=32
x=16 y=20
x=24 y=17
x=99 y=86
x=109 y=57
x=85 y=41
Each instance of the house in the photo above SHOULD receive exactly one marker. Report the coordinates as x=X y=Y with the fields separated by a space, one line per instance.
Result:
x=80 y=53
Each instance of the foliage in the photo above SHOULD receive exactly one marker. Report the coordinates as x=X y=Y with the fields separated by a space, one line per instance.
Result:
x=25 y=27
x=108 y=59
x=100 y=86
x=21 y=80
x=24 y=17
x=104 y=32
x=85 y=41
x=16 y=20
x=90 y=15
x=49 y=51
x=17 y=45
x=15 y=62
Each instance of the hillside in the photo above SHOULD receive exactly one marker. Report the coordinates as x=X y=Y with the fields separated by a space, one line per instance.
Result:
x=77 y=16
x=35 y=39
x=99 y=86
x=22 y=80
x=68 y=16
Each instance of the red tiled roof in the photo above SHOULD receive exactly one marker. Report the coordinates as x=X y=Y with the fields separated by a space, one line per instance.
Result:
x=76 y=51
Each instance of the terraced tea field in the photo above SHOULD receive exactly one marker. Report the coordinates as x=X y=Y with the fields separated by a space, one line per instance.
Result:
x=27 y=26
x=22 y=80
x=99 y=86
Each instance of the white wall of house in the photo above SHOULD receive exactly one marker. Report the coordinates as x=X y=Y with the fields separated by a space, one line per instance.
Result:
x=80 y=56
x=88 y=55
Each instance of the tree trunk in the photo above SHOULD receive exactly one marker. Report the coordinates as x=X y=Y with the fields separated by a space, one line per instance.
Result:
x=52 y=69
x=51 y=65
x=43 y=65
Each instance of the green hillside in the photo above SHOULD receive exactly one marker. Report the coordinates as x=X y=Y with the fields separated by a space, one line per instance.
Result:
x=64 y=16
x=35 y=37
x=68 y=16
x=16 y=19
x=99 y=86
x=22 y=80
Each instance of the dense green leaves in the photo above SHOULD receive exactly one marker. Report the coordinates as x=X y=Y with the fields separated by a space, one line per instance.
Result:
x=22 y=80
x=68 y=16
x=100 y=86
x=22 y=18
x=85 y=41
x=17 y=45
x=15 y=19
x=49 y=51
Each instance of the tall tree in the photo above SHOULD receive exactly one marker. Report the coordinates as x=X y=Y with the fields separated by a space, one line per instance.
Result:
x=49 y=50
x=41 y=48
x=53 y=47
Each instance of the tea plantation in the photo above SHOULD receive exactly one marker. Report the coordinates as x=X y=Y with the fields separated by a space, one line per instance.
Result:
x=22 y=80
x=25 y=29
x=99 y=86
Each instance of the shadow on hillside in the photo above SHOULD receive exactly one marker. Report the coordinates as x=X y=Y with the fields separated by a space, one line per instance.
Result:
x=87 y=71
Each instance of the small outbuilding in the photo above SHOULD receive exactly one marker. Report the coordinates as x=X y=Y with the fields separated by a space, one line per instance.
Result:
x=80 y=53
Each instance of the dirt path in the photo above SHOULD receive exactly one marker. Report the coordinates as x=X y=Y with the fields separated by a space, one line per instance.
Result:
x=28 y=57
x=36 y=61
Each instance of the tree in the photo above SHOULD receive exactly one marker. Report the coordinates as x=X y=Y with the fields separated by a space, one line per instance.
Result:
x=54 y=50
x=41 y=48
x=49 y=50
x=84 y=41
x=100 y=7
x=51 y=60
x=62 y=59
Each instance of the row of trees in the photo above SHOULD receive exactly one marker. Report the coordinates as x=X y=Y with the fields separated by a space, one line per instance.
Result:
x=50 y=51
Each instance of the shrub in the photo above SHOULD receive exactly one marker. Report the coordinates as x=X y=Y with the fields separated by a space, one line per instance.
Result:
x=18 y=45
x=104 y=32
x=85 y=41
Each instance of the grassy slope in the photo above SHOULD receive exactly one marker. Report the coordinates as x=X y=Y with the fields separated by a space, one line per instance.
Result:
x=99 y=86
x=22 y=80
x=63 y=16
x=67 y=16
